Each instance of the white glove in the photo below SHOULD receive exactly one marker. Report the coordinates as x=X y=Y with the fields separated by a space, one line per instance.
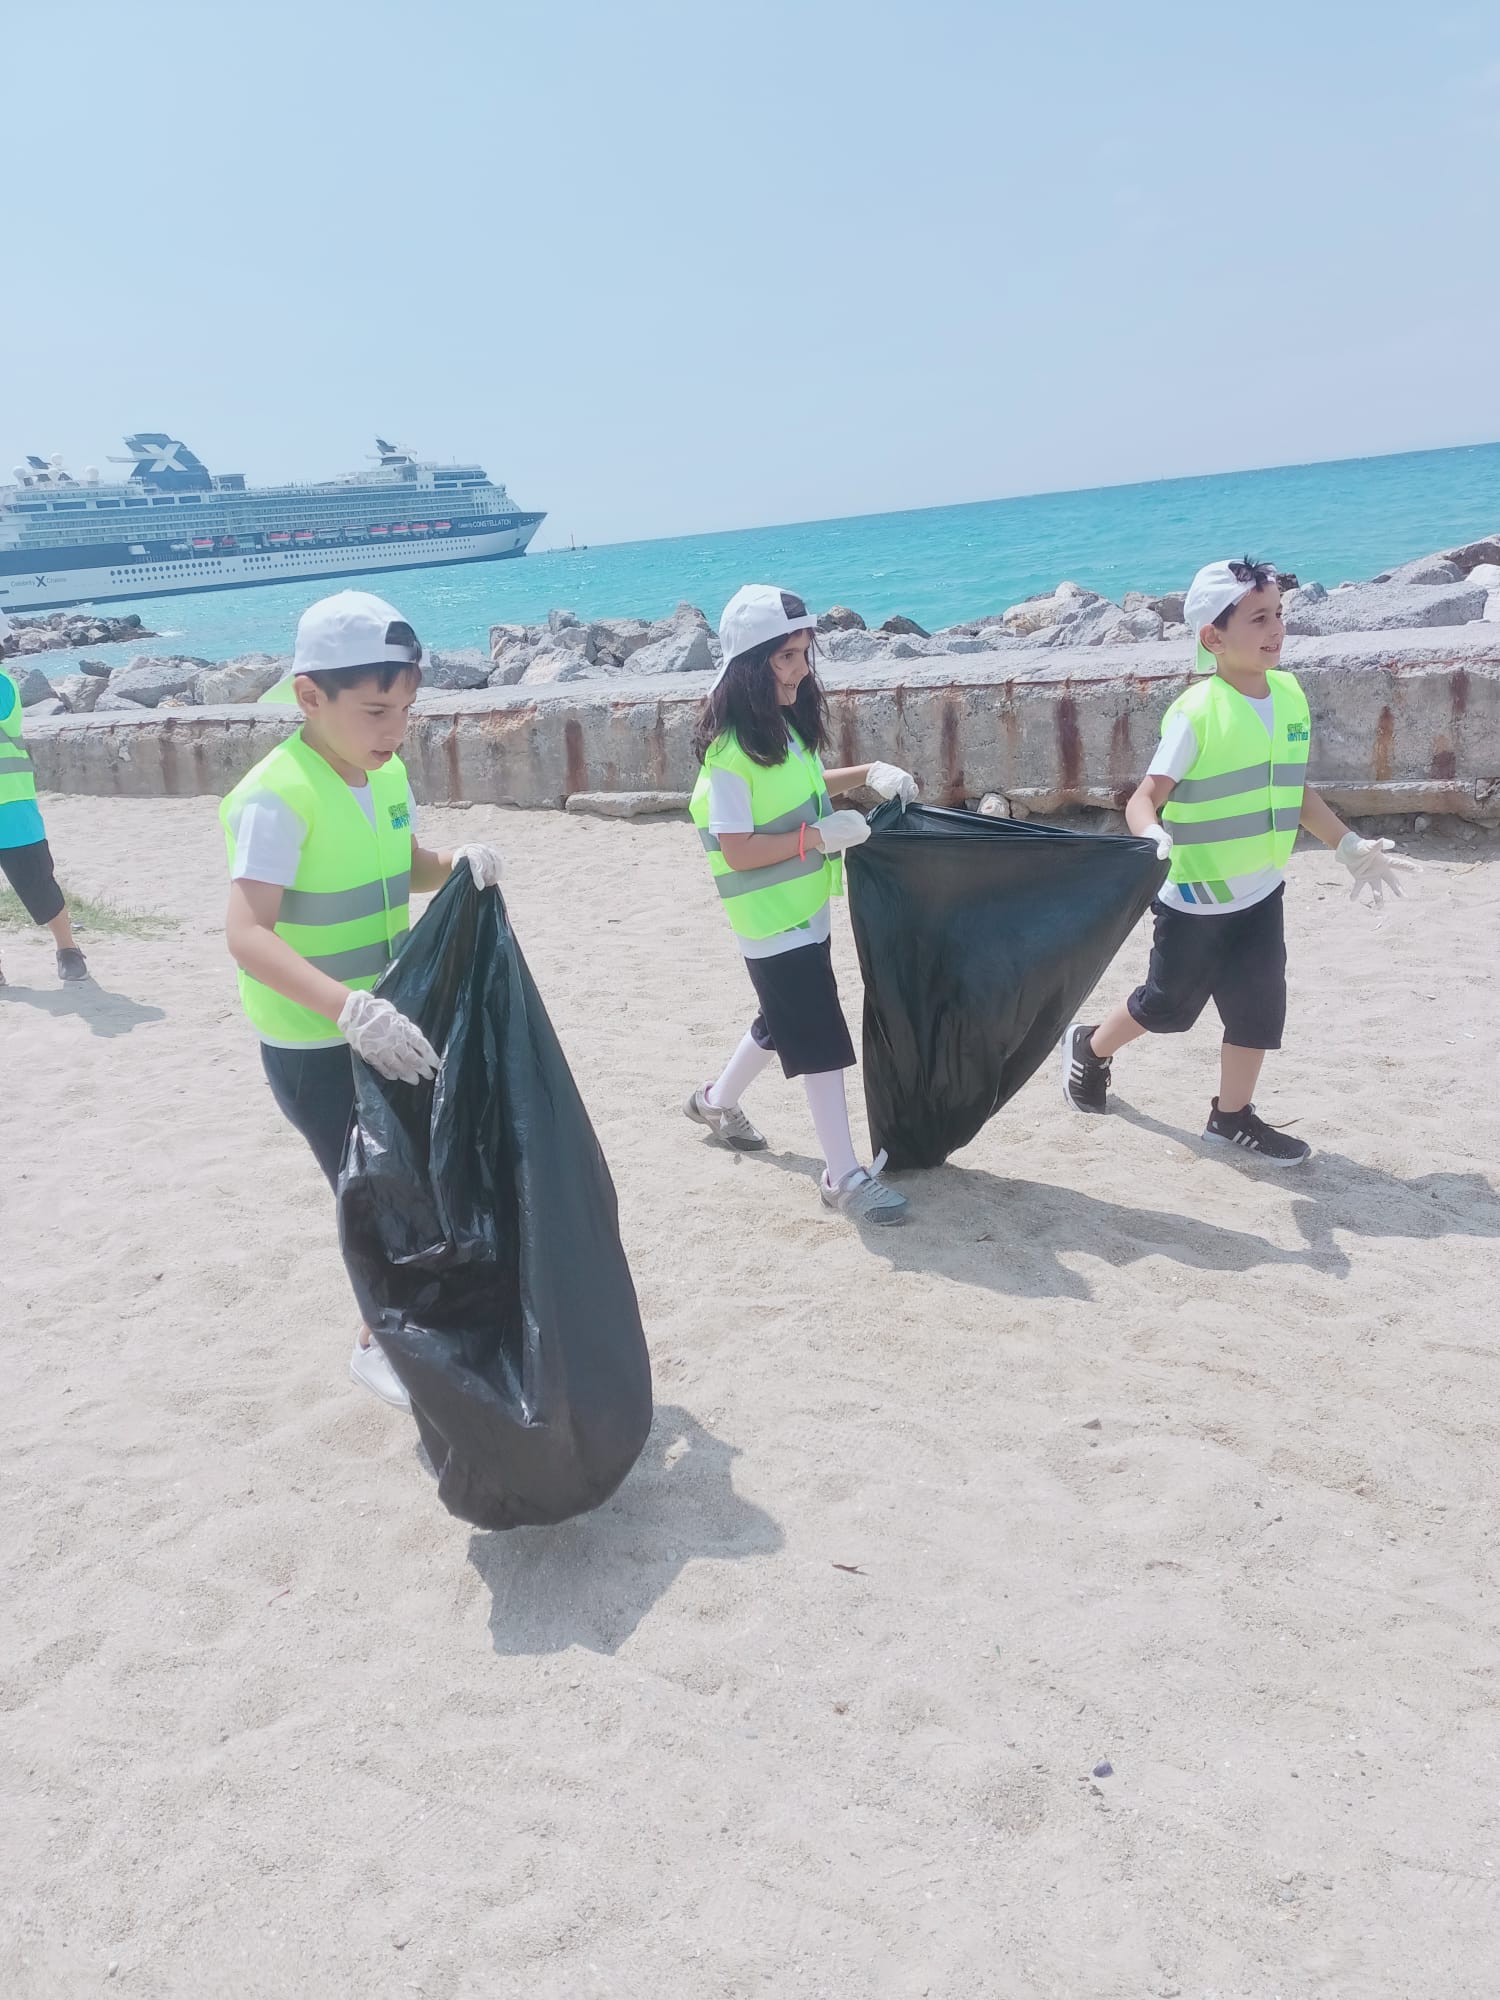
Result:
x=1162 y=838
x=1373 y=867
x=484 y=863
x=841 y=830
x=892 y=783
x=388 y=1042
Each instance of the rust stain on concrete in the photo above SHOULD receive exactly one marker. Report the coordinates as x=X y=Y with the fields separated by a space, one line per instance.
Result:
x=953 y=749
x=1444 y=763
x=1385 y=746
x=1460 y=691
x=1121 y=751
x=1069 y=742
x=578 y=770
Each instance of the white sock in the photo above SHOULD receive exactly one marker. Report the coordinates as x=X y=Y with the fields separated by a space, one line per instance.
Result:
x=743 y=1067
x=830 y=1117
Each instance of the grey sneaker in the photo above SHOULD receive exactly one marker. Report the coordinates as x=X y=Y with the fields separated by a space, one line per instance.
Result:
x=71 y=965
x=730 y=1125
x=864 y=1197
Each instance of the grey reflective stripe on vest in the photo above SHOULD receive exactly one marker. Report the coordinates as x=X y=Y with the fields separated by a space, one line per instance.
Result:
x=1239 y=826
x=361 y=962
x=806 y=814
x=344 y=906
x=13 y=760
x=745 y=881
x=1251 y=778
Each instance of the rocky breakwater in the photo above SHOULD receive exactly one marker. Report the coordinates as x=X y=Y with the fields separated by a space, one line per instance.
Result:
x=67 y=631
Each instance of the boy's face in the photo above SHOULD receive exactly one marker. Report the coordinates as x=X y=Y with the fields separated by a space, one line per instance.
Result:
x=362 y=724
x=1251 y=642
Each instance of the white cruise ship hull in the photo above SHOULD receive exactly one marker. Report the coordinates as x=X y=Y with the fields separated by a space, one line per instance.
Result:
x=163 y=576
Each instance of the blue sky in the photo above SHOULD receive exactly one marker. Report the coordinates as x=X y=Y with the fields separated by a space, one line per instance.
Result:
x=669 y=268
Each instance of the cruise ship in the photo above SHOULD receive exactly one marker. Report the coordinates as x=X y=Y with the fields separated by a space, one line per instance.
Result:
x=169 y=525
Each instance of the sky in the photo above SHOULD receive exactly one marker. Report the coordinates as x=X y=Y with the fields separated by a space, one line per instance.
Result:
x=668 y=268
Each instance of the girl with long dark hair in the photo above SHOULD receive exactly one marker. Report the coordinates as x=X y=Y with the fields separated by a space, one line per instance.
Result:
x=773 y=841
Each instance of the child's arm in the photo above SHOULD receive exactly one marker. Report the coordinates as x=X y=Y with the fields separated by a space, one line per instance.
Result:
x=1320 y=819
x=250 y=933
x=1372 y=863
x=1145 y=803
x=429 y=870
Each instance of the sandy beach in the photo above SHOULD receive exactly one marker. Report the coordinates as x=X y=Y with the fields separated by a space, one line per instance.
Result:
x=1119 y=1454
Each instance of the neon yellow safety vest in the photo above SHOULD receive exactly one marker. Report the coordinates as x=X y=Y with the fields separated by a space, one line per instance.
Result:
x=760 y=902
x=1237 y=810
x=346 y=912
x=17 y=778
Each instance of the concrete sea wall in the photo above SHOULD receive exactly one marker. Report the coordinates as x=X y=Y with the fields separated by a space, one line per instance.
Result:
x=1402 y=722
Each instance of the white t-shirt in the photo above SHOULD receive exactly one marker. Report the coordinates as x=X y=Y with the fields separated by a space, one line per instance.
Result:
x=268 y=841
x=1175 y=756
x=729 y=811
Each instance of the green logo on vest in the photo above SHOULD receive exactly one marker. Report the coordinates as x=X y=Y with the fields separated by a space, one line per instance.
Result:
x=1297 y=732
x=400 y=818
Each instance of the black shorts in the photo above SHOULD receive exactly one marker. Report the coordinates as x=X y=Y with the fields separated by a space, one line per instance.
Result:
x=29 y=871
x=1237 y=960
x=314 y=1088
x=800 y=1017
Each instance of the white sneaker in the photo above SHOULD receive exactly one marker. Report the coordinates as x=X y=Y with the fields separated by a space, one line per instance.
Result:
x=369 y=1367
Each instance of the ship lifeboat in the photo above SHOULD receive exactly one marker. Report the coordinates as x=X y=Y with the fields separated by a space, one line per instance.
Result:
x=419 y=527
x=278 y=535
x=442 y=526
x=380 y=531
x=203 y=541
x=303 y=535
x=400 y=528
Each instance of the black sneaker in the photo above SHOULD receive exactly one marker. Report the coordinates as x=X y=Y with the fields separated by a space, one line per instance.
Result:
x=71 y=965
x=1085 y=1076
x=1254 y=1135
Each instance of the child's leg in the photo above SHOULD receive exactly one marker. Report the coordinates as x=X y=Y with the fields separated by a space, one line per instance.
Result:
x=1239 y=1072
x=30 y=872
x=314 y=1090
x=1250 y=995
x=743 y=1067
x=830 y=1115
x=62 y=931
x=1118 y=1028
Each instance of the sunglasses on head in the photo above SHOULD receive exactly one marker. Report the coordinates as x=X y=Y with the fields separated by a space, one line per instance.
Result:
x=1250 y=571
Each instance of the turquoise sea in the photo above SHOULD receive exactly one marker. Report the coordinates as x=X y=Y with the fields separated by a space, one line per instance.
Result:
x=1329 y=522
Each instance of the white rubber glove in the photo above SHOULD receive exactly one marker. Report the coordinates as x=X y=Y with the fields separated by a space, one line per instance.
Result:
x=1373 y=864
x=842 y=830
x=484 y=863
x=1162 y=838
x=892 y=783
x=387 y=1041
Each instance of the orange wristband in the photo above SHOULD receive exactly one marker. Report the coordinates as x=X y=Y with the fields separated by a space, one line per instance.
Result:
x=802 y=841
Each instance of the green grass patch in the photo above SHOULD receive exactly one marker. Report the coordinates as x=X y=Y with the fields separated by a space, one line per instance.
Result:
x=93 y=916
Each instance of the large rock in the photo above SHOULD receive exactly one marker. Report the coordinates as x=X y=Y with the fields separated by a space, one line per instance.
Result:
x=239 y=680
x=1036 y=614
x=99 y=668
x=1484 y=576
x=1383 y=607
x=612 y=641
x=456 y=667
x=1169 y=606
x=559 y=621
x=839 y=618
x=902 y=627
x=146 y=681
x=32 y=639
x=1143 y=621
x=1472 y=554
x=556 y=663
x=853 y=648
x=1424 y=569
x=34 y=686
x=78 y=692
x=40 y=711
x=1094 y=621
x=110 y=703
x=511 y=650
x=684 y=647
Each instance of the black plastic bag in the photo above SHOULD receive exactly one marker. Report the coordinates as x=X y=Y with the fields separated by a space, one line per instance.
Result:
x=481 y=1233
x=978 y=940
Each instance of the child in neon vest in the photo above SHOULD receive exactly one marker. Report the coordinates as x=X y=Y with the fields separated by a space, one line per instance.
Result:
x=25 y=857
x=321 y=841
x=1229 y=780
x=762 y=811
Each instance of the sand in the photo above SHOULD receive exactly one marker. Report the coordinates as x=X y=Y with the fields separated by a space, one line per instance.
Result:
x=1118 y=1453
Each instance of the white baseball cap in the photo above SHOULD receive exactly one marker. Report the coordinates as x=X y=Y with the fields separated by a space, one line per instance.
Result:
x=1216 y=587
x=758 y=612
x=353 y=629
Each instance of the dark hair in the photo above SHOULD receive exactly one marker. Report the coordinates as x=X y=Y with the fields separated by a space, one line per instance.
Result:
x=1247 y=570
x=745 y=702
x=385 y=674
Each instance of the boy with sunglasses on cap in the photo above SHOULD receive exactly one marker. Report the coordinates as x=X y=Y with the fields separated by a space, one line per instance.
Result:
x=1229 y=781
x=322 y=859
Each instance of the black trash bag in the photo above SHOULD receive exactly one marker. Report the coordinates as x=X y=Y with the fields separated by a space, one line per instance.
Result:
x=978 y=940
x=481 y=1232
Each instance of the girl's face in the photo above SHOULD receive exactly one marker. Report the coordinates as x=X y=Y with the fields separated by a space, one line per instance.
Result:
x=791 y=665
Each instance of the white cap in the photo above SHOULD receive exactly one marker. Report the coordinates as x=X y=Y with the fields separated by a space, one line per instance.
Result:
x=352 y=629
x=1216 y=587
x=756 y=612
